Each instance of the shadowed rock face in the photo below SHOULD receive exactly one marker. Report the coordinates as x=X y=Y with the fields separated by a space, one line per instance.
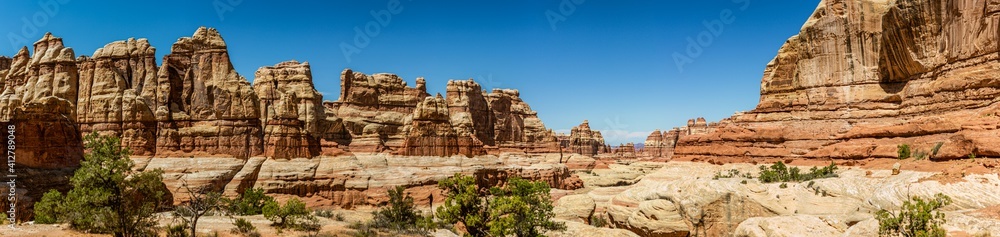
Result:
x=864 y=76
x=202 y=123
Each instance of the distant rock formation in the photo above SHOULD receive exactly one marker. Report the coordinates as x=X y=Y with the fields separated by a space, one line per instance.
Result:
x=583 y=140
x=865 y=76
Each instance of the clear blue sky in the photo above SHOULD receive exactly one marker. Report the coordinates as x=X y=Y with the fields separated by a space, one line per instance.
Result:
x=611 y=62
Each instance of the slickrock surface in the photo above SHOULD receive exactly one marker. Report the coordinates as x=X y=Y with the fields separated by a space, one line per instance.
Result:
x=682 y=199
x=201 y=122
x=864 y=76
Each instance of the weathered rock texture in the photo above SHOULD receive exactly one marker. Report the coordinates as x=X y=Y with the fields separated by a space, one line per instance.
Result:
x=584 y=141
x=864 y=76
x=204 y=124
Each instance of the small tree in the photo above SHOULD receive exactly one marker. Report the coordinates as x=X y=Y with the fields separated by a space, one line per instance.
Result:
x=521 y=208
x=201 y=203
x=250 y=202
x=285 y=216
x=107 y=195
x=917 y=217
x=400 y=214
x=464 y=204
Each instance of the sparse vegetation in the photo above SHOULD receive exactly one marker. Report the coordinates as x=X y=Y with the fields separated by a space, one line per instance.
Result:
x=399 y=216
x=244 y=228
x=250 y=202
x=201 y=201
x=779 y=172
x=783 y=185
x=288 y=215
x=917 y=217
x=937 y=147
x=108 y=196
x=598 y=221
x=519 y=208
x=903 y=151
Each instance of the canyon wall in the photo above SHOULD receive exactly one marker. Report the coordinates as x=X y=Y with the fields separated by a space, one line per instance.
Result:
x=204 y=124
x=865 y=76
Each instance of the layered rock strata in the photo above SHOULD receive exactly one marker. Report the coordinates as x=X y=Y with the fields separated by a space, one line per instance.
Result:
x=583 y=140
x=865 y=76
x=204 y=124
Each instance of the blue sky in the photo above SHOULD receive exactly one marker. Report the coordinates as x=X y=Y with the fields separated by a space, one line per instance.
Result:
x=610 y=62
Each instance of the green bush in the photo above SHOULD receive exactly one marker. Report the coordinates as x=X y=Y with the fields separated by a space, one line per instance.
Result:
x=244 y=228
x=778 y=172
x=783 y=185
x=47 y=210
x=917 y=217
x=287 y=215
x=519 y=208
x=903 y=151
x=399 y=215
x=250 y=202
x=108 y=196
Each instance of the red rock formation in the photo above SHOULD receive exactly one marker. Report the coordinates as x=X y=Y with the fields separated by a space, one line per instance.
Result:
x=517 y=126
x=198 y=120
x=470 y=112
x=374 y=108
x=202 y=105
x=432 y=133
x=865 y=76
x=624 y=150
x=38 y=100
x=584 y=141
x=108 y=94
x=291 y=110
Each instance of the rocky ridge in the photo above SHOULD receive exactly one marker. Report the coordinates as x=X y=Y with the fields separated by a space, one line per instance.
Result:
x=865 y=76
x=203 y=123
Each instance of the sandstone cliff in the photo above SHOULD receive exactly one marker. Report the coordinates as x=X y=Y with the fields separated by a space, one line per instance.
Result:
x=864 y=76
x=201 y=122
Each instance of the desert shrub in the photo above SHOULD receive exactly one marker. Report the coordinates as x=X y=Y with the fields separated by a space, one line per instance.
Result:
x=783 y=185
x=362 y=229
x=250 y=202
x=244 y=228
x=730 y=174
x=179 y=230
x=285 y=216
x=779 y=172
x=917 y=217
x=519 y=208
x=47 y=210
x=903 y=151
x=108 y=196
x=598 y=221
x=399 y=214
x=201 y=202
x=309 y=224
x=937 y=147
x=323 y=213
